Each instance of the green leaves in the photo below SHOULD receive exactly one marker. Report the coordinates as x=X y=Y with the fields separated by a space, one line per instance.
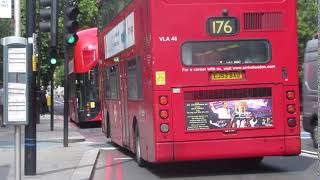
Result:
x=87 y=18
x=307 y=15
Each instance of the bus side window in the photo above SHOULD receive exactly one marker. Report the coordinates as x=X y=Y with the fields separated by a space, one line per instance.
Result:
x=134 y=80
x=111 y=85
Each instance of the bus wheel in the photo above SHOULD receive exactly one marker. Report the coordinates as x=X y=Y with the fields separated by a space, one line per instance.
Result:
x=254 y=161
x=315 y=136
x=139 y=159
x=108 y=129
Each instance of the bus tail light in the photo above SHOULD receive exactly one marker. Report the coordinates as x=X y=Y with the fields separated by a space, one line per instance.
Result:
x=88 y=107
x=163 y=100
x=164 y=128
x=292 y=122
x=290 y=95
x=291 y=108
x=164 y=114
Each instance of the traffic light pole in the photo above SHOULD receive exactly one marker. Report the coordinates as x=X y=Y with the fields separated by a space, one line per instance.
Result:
x=70 y=27
x=66 y=91
x=66 y=98
x=52 y=103
x=30 y=129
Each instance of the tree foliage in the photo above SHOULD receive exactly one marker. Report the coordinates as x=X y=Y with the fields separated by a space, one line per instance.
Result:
x=86 y=19
x=307 y=15
x=59 y=76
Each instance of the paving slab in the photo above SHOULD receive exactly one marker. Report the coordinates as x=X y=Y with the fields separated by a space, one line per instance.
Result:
x=53 y=160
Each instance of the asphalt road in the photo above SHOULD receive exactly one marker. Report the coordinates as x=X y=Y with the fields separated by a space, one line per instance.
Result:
x=114 y=163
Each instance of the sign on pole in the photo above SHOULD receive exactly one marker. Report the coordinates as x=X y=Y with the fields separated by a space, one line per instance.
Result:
x=15 y=80
x=5 y=9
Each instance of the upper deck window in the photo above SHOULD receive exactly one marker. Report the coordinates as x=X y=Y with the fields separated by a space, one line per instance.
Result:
x=108 y=9
x=204 y=53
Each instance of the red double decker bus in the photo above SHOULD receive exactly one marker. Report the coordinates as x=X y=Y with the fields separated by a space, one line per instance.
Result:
x=196 y=80
x=84 y=101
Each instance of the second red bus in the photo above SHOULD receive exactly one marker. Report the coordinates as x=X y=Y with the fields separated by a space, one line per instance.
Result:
x=84 y=101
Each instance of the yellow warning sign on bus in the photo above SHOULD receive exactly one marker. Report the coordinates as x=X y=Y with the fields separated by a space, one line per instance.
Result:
x=92 y=105
x=160 y=78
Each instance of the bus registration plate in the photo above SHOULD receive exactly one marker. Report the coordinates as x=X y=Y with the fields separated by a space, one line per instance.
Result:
x=234 y=75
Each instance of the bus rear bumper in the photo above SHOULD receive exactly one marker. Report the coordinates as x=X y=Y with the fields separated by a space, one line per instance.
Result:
x=226 y=149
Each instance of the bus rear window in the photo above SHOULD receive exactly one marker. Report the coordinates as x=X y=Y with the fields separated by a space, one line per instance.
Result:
x=204 y=53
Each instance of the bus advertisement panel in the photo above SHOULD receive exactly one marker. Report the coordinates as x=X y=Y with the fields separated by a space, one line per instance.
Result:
x=229 y=114
x=181 y=80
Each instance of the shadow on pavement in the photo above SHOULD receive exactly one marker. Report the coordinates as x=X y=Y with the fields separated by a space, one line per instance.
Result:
x=227 y=167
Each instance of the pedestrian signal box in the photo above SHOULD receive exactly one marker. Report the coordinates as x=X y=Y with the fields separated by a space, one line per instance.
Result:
x=15 y=73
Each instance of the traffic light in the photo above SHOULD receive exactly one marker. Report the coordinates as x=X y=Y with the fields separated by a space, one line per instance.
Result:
x=71 y=25
x=49 y=23
x=49 y=19
x=45 y=15
x=53 y=53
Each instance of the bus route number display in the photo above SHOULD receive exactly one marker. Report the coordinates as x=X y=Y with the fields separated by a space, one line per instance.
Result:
x=222 y=25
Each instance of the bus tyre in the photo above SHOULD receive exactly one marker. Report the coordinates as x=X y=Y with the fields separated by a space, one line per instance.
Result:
x=139 y=159
x=254 y=161
x=108 y=129
x=315 y=136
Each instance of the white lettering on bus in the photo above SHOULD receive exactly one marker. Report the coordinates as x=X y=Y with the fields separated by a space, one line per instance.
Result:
x=228 y=68
x=168 y=38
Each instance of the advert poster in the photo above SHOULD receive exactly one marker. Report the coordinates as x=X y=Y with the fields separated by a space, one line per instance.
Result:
x=249 y=113
x=120 y=37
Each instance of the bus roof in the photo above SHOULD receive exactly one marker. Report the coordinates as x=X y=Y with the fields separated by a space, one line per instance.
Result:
x=86 y=50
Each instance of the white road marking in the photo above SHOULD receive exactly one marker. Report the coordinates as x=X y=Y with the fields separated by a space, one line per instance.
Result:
x=305 y=137
x=108 y=148
x=309 y=152
x=88 y=142
x=123 y=158
x=309 y=155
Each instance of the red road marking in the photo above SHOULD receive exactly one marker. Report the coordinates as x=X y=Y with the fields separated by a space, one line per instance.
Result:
x=108 y=165
x=118 y=167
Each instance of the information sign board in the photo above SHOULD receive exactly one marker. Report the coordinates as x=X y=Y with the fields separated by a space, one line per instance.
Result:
x=15 y=80
x=5 y=9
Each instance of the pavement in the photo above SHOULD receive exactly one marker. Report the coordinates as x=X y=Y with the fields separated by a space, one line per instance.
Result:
x=53 y=160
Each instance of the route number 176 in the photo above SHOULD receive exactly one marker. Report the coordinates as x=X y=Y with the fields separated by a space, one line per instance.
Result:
x=222 y=26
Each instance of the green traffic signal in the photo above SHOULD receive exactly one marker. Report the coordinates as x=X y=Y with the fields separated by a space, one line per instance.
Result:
x=71 y=25
x=53 y=61
x=53 y=53
x=71 y=40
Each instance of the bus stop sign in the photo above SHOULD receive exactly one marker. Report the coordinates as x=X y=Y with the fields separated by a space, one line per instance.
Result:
x=15 y=73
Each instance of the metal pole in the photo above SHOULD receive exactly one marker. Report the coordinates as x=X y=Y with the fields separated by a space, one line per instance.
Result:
x=17 y=132
x=30 y=130
x=17 y=8
x=66 y=98
x=318 y=135
x=54 y=44
x=66 y=87
x=52 y=104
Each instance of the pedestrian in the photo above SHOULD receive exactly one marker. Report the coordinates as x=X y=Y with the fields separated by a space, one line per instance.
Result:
x=1 y=108
x=43 y=101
